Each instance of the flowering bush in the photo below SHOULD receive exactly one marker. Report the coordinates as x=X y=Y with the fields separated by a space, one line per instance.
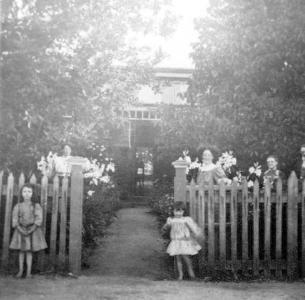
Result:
x=46 y=165
x=162 y=198
x=193 y=168
x=98 y=170
x=255 y=173
x=229 y=164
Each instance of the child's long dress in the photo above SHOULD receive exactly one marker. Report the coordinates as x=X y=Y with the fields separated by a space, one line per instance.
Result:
x=25 y=216
x=182 y=242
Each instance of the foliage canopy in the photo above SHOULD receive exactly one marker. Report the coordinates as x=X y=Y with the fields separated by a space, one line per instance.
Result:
x=247 y=92
x=67 y=66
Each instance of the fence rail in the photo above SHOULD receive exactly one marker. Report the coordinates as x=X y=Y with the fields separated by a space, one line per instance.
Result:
x=257 y=232
x=61 y=200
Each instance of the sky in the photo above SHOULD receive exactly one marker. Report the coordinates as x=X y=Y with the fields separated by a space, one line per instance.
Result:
x=178 y=46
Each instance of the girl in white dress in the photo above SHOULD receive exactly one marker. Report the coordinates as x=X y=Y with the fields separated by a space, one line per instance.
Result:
x=182 y=243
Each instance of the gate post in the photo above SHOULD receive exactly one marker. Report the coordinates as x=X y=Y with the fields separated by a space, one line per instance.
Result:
x=76 y=218
x=180 y=166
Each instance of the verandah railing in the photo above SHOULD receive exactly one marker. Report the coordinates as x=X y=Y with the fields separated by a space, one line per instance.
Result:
x=255 y=232
x=61 y=199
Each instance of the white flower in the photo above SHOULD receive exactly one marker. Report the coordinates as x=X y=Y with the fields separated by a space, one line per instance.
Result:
x=234 y=161
x=188 y=159
x=258 y=172
x=105 y=179
x=110 y=167
x=90 y=193
x=251 y=170
x=250 y=183
x=94 y=180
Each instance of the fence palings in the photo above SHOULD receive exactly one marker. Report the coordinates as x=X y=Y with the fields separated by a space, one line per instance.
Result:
x=222 y=224
x=303 y=228
x=292 y=219
x=245 y=204
x=54 y=199
x=279 y=228
x=53 y=236
x=211 y=229
x=43 y=203
x=193 y=211
x=1 y=186
x=258 y=208
x=63 y=223
x=7 y=220
x=233 y=215
x=267 y=221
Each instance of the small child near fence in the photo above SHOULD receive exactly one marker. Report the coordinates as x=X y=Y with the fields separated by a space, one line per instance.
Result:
x=183 y=244
x=28 y=236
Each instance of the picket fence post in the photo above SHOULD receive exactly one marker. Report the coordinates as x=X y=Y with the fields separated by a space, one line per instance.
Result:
x=76 y=215
x=292 y=228
x=180 y=166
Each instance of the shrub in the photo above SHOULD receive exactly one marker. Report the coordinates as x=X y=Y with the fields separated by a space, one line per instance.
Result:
x=98 y=213
x=162 y=198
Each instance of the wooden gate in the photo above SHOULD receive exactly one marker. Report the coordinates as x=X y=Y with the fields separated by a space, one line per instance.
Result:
x=62 y=200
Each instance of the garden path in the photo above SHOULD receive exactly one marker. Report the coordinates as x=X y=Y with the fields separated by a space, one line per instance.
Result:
x=128 y=264
x=132 y=247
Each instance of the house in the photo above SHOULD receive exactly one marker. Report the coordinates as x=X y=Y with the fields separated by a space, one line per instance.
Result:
x=141 y=129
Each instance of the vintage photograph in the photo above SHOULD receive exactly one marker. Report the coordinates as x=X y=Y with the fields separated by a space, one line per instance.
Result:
x=152 y=149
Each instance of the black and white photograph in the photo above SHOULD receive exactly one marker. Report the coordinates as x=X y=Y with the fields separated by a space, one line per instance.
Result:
x=152 y=149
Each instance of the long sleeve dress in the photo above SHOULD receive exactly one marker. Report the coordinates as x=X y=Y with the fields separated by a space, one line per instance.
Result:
x=210 y=173
x=182 y=242
x=25 y=215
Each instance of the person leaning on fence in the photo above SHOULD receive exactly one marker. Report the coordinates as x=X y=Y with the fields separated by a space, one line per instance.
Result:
x=273 y=173
x=183 y=234
x=209 y=171
x=28 y=236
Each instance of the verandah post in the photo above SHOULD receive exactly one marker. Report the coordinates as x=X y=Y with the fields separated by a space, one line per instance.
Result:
x=180 y=166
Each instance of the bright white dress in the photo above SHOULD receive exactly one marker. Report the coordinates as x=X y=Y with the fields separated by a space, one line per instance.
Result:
x=182 y=242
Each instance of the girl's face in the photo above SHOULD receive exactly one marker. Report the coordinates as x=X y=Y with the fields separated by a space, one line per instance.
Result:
x=27 y=193
x=207 y=157
x=271 y=163
x=178 y=213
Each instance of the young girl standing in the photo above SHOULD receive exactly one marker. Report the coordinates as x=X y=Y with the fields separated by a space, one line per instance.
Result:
x=182 y=244
x=28 y=236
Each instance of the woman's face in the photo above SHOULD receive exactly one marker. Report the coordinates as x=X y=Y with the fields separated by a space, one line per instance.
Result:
x=207 y=157
x=67 y=150
x=271 y=163
x=27 y=193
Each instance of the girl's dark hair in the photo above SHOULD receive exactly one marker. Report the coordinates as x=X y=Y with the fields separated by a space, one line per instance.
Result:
x=179 y=205
x=34 y=198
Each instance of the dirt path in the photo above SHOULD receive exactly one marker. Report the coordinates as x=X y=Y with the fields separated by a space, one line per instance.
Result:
x=128 y=264
x=133 y=247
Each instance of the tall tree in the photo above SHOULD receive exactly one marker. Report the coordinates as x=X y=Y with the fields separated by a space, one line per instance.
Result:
x=67 y=66
x=248 y=88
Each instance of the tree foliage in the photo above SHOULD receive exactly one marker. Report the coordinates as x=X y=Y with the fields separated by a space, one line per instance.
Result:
x=247 y=92
x=67 y=66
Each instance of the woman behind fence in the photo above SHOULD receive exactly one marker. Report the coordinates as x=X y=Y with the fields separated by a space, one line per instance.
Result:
x=28 y=236
x=273 y=173
x=209 y=171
